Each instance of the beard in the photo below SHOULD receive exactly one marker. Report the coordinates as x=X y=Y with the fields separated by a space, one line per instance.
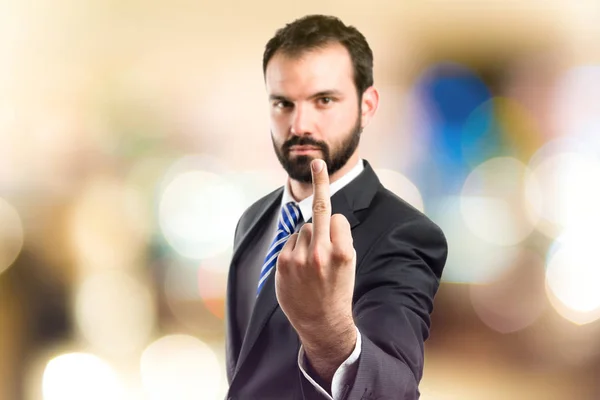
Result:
x=298 y=168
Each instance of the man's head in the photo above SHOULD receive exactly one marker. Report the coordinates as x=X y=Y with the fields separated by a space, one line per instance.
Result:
x=319 y=77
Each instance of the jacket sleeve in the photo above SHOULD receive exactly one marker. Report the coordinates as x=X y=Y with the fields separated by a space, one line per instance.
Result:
x=395 y=286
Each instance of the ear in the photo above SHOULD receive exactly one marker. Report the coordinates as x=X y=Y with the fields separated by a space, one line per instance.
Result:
x=369 y=103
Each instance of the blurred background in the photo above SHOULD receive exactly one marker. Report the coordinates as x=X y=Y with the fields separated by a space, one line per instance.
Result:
x=133 y=135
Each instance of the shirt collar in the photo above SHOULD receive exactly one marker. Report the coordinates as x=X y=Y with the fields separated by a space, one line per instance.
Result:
x=306 y=204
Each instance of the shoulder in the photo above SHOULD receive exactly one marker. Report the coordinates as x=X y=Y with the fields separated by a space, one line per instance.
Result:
x=393 y=227
x=394 y=212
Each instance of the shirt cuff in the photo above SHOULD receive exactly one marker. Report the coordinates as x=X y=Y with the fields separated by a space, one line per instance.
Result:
x=343 y=376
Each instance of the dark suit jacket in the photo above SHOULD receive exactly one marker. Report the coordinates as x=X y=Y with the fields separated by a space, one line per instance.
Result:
x=400 y=258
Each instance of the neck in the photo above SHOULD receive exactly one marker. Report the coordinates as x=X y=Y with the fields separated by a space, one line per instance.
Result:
x=302 y=190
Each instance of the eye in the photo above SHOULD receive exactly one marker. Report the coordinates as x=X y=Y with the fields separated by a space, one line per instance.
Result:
x=325 y=100
x=282 y=104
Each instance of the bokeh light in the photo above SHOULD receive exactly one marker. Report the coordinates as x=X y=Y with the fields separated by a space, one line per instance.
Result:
x=401 y=186
x=516 y=298
x=212 y=286
x=568 y=182
x=255 y=184
x=11 y=235
x=115 y=312
x=447 y=94
x=195 y=295
x=181 y=367
x=572 y=275
x=198 y=212
x=77 y=376
x=577 y=105
x=499 y=126
x=493 y=202
x=472 y=259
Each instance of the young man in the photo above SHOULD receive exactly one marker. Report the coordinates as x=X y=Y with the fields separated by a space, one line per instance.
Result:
x=333 y=277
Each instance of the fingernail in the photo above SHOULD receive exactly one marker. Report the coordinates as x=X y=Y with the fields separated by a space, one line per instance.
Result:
x=317 y=165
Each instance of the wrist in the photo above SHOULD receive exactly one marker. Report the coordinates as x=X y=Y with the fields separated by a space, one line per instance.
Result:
x=327 y=331
x=327 y=352
x=336 y=341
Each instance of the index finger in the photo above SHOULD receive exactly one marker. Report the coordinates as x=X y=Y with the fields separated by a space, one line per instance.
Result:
x=321 y=206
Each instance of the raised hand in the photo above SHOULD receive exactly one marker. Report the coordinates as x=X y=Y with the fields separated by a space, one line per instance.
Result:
x=314 y=278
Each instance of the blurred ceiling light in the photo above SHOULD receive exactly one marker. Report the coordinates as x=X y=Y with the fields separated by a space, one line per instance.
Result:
x=181 y=367
x=572 y=275
x=471 y=259
x=114 y=312
x=11 y=235
x=108 y=225
x=401 y=186
x=570 y=191
x=77 y=376
x=198 y=213
x=493 y=202
x=516 y=299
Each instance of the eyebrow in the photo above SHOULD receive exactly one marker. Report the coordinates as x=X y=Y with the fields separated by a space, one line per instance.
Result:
x=323 y=93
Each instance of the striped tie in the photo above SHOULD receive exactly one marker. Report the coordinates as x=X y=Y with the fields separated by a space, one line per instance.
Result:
x=288 y=219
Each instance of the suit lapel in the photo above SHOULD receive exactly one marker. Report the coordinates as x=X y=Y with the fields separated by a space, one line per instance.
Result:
x=270 y=203
x=341 y=205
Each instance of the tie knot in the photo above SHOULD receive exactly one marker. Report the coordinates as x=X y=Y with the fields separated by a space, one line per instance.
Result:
x=290 y=215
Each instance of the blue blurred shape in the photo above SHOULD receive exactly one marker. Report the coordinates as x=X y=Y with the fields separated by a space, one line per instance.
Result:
x=452 y=92
x=448 y=94
x=481 y=135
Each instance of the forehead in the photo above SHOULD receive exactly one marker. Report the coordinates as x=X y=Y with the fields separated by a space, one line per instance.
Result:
x=310 y=72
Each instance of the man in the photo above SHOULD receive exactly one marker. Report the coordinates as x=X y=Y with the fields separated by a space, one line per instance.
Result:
x=333 y=277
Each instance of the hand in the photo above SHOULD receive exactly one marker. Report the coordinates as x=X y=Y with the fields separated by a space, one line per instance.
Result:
x=314 y=278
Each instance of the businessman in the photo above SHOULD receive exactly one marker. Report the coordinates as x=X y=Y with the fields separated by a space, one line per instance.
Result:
x=333 y=277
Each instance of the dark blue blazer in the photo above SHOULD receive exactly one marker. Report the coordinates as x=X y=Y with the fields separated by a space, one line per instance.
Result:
x=400 y=257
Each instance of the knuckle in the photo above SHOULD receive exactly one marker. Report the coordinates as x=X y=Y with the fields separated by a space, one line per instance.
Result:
x=316 y=257
x=284 y=258
x=320 y=206
x=298 y=260
x=306 y=228
x=342 y=255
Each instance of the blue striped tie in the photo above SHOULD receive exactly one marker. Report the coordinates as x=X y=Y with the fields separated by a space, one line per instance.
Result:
x=288 y=219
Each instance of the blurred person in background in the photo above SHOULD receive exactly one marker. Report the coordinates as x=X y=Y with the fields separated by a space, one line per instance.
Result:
x=333 y=277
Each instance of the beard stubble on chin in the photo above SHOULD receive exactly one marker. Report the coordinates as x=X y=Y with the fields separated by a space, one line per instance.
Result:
x=298 y=167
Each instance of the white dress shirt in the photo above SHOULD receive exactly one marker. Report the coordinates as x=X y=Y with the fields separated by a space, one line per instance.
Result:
x=346 y=372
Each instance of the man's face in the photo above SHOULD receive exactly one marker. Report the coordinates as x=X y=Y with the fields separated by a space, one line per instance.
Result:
x=314 y=108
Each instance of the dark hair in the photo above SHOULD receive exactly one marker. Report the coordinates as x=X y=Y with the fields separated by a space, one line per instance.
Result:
x=317 y=31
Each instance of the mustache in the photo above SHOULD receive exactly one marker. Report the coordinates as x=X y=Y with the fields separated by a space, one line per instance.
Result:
x=303 y=141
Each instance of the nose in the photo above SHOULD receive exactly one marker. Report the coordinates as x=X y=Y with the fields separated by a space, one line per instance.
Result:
x=302 y=120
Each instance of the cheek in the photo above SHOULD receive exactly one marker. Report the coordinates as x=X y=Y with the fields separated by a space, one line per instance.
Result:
x=338 y=122
x=279 y=124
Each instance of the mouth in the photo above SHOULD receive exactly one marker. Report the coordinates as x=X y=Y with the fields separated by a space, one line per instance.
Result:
x=303 y=149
